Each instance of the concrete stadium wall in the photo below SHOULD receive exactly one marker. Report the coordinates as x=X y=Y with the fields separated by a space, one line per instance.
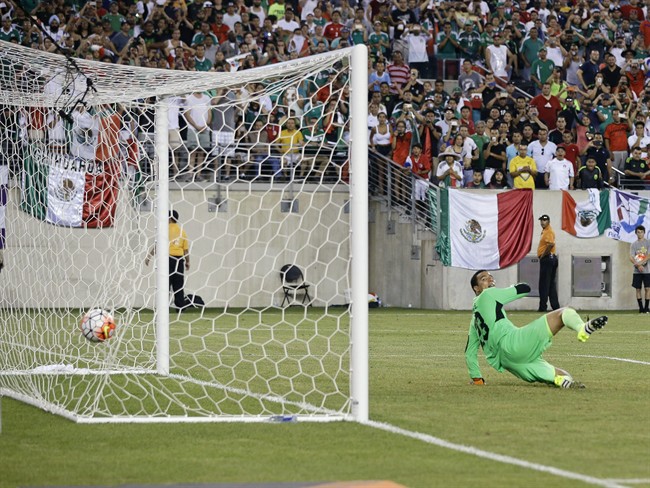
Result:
x=236 y=255
x=236 y=261
x=400 y=280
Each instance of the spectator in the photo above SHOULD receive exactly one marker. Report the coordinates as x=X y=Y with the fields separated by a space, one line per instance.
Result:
x=8 y=32
x=541 y=70
x=380 y=141
x=476 y=181
x=418 y=58
x=204 y=32
x=586 y=74
x=589 y=176
x=469 y=153
x=469 y=80
x=572 y=152
x=290 y=141
x=469 y=44
x=547 y=105
x=402 y=17
x=378 y=76
x=401 y=143
x=420 y=164
x=229 y=47
x=555 y=51
x=638 y=139
x=560 y=173
x=122 y=37
x=530 y=49
x=231 y=17
x=523 y=169
x=499 y=181
x=636 y=77
x=201 y=63
x=378 y=41
x=450 y=171
x=499 y=59
x=542 y=151
x=611 y=72
x=639 y=256
x=447 y=43
x=616 y=139
x=414 y=87
x=198 y=116
x=636 y=170
x=333 y=29
x=495 y=154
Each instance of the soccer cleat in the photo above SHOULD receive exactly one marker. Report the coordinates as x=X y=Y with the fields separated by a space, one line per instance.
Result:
x=567 y=382
x=591 y=326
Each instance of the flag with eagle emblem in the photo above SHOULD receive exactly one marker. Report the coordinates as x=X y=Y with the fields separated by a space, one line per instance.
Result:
x=484 y=230
x=588 y=218
x=78 y=188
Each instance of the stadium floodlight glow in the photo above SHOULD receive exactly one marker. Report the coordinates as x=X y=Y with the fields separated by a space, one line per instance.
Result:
x=78 y=235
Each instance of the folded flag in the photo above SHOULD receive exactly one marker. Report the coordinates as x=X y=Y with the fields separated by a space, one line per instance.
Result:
x=588 y=218
x=76 y=186
x=69 y=191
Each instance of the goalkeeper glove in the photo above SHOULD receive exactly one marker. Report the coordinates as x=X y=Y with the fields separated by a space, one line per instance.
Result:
x=477 y=381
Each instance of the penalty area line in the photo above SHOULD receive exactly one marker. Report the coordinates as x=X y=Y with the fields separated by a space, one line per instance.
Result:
x=501 y=458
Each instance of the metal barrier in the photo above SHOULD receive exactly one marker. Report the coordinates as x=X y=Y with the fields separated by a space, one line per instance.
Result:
x=402 y=191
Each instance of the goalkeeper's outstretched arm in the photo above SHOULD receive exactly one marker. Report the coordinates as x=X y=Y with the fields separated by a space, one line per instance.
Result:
x=471 y=355
x=510 y=294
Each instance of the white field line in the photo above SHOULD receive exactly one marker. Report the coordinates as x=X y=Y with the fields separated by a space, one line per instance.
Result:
x=635 y=361
x=496 y=457
x=631 y=481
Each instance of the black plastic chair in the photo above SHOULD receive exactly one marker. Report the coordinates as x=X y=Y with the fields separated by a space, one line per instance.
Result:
x=293 y=282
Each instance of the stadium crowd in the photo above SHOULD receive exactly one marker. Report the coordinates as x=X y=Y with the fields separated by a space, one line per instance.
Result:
x=473 y=93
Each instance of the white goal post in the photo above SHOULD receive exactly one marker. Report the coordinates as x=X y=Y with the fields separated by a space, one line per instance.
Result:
x=267 y=171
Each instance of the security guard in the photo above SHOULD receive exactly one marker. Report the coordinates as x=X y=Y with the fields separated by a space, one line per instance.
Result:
x=547 y=266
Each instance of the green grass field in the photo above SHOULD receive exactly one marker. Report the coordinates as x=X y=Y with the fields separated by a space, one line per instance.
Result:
x=419 y=383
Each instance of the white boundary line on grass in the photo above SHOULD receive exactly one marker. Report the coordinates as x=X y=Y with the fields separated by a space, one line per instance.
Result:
x=630 y=481
x=635 y=361
x=429 y=439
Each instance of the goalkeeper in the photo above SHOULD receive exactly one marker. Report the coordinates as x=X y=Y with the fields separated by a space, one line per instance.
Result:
x=518 y=349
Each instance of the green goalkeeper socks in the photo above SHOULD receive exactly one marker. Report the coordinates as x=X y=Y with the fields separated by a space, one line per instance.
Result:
x=572 y=320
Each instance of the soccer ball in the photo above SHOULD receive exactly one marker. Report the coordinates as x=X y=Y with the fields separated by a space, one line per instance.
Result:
x=97 y=325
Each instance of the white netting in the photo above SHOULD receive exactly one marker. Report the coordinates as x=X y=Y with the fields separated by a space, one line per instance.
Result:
x=78 y=180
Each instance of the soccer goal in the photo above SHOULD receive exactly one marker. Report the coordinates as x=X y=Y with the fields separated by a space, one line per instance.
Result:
x=266 y=169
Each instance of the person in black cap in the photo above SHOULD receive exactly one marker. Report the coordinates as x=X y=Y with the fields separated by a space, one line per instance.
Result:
x=179 y=260
x=547 y=266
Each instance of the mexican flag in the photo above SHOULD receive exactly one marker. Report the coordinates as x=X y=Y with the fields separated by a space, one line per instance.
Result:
x=589 y=218
x=79 y=188
x=479 y=230
x=69 y=191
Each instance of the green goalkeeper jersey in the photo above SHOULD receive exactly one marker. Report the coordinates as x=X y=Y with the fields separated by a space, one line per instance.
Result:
x=489 y=325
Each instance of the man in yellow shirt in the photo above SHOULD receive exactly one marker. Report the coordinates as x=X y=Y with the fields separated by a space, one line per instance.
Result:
x=523 y=169
x=179 y=260
x=290 y=141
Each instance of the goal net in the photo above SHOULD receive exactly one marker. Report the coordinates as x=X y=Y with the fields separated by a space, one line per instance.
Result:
x=264 y=171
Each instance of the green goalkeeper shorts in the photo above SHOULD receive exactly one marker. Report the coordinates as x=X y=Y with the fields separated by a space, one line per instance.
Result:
x=521 y=352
